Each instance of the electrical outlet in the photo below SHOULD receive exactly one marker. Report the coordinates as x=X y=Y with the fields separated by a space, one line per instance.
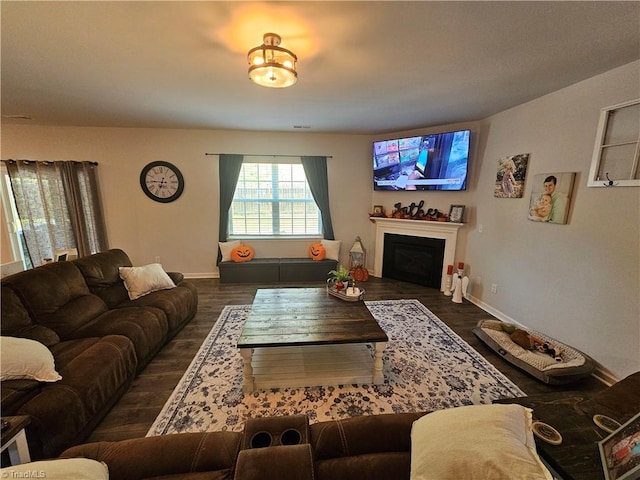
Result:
x=480 y=228
x=157 y=258
x=494 y=288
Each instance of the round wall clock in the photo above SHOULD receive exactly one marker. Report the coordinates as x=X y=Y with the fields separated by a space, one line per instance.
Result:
x=161 y=181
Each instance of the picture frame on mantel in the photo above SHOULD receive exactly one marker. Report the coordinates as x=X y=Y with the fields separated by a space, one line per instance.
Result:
x=456 y=212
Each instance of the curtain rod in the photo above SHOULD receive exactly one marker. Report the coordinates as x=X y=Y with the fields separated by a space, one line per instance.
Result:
x=270 y=155
x=48 y=161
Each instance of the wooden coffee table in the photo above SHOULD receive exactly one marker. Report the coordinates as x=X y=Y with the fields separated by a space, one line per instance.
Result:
x=302 y=337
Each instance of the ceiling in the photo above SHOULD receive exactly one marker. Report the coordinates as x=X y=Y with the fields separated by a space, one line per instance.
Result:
x=364 y=67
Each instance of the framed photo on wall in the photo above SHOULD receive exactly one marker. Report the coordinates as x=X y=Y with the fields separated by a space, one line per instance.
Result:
x=455 y=213
x=512 y=172
x=551 y=197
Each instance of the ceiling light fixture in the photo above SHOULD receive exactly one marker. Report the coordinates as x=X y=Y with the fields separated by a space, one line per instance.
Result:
x=270 y=65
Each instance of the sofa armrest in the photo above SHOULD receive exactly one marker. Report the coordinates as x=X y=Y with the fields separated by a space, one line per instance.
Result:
x=620 y=401
x=292 y=462
x=149 y=457
x=176 y=277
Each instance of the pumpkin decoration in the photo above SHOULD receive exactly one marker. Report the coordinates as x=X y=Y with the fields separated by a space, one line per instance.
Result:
x=360 y=274
x=317 y=252
x=242 y=253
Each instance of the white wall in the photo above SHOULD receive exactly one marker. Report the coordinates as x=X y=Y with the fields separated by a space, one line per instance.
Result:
x=184 y=233
x=578 y=282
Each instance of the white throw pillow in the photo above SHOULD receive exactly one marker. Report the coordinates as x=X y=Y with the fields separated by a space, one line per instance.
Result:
x=59 y=469
x=476 y=442
x=226 y=247
x=332 y=247
x=21 y=358
x=140 y=281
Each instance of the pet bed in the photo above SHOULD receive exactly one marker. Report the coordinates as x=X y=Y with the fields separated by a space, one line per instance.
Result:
x=566 y=366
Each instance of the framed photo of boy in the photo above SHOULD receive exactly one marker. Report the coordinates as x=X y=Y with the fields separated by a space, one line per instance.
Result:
x=455 y=213
x=551 y=197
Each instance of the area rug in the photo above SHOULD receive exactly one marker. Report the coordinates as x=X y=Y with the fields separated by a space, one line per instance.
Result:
x=426 y=367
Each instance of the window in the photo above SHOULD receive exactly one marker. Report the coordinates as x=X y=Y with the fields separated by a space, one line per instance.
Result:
x=58 y=207
x=273 y=199
x=615 y=157
x=13 y=226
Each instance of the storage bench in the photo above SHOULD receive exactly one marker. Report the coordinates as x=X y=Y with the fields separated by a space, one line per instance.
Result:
x=258 y=270
x=267 y=270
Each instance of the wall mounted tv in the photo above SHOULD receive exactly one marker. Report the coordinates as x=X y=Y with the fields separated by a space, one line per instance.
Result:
x=429 y=162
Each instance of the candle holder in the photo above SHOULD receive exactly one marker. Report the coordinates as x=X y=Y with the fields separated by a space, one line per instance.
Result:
x=447 y=289
x=448 y=280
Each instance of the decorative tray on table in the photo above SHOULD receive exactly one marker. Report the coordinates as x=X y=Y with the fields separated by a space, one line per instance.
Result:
x=346 y=294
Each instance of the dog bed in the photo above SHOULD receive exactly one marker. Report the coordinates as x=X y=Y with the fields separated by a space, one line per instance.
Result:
x=568 y=365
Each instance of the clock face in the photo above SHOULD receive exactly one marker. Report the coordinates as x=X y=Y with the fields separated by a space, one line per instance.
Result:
x=161 y=181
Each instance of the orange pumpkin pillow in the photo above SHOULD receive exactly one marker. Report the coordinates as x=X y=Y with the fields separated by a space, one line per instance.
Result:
x=242 y=253
x=317 y=251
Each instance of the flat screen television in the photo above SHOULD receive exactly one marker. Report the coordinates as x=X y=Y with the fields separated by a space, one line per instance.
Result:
x=437 y=161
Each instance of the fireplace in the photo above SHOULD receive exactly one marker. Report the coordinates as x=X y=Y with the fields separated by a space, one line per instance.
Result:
x=447 y=231
x=413 y=259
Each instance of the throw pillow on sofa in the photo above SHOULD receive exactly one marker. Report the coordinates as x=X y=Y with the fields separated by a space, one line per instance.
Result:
x=140 y=281
x=22 y=358
x=476 y=442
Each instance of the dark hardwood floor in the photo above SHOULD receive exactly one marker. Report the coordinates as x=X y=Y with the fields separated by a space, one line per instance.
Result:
x=133 y=415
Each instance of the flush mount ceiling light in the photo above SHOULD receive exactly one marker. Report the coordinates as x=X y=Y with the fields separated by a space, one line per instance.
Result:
x=270 y=65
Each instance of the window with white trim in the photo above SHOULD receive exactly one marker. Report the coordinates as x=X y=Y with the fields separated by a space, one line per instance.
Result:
x=616 y=154
x=273 y=200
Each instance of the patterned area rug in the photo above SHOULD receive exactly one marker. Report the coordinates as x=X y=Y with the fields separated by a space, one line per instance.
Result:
x=426 y=367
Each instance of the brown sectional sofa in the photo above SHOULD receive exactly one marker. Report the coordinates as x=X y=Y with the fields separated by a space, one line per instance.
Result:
x=376 y=447
x=99 y=339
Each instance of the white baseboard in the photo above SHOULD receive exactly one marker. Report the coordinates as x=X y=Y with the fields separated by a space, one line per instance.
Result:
x=604 y=375
x=600 y=373
x=201 y=275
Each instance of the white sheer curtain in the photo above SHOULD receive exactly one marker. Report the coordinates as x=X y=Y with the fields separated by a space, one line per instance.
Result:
x=59 y=207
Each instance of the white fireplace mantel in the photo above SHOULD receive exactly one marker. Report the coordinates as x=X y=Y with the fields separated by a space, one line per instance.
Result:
x=448 y=231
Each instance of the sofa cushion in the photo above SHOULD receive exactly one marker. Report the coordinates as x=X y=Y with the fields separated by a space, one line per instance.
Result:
x=361 y=435
x=178 y=304
x=45 y=289
x=56 y=296
x=24 y=359
x=94 y=372
x=100 y=271
x=17 y=323
x=140 y=281
x=182 y=455
x=374 y=466
x=354 y=448
x=147 y=329
x=476 y=442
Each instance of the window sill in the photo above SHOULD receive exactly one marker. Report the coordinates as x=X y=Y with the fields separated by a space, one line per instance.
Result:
x=275 y=237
